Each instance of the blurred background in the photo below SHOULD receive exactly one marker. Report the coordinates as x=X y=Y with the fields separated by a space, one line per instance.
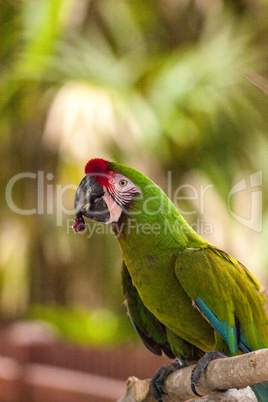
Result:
x=176 y=89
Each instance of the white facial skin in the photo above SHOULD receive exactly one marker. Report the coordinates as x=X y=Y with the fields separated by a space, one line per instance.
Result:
x=122 y=190
x=114 y=208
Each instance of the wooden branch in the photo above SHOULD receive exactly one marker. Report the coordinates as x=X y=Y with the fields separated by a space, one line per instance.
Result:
x=220 y=375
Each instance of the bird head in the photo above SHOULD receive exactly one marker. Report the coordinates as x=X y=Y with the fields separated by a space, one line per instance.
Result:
x=103 y=195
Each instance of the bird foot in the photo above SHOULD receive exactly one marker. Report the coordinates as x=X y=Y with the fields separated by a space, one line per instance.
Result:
x=201 y=365
x=158 y=381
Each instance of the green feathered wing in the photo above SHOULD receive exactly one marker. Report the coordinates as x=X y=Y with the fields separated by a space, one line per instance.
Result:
x=227 y=295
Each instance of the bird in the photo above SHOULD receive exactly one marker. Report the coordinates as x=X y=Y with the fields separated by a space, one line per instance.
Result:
x=185 y=297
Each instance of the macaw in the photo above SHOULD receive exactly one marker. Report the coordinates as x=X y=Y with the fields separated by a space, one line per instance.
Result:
x=185 y=297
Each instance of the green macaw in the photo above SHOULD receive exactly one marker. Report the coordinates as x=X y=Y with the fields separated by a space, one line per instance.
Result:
x=184 y=296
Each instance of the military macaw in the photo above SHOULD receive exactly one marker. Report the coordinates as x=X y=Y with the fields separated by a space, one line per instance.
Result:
x=184 y=296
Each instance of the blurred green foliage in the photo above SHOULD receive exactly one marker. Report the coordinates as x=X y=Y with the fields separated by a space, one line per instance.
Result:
x=162 y=86
x=98 y=327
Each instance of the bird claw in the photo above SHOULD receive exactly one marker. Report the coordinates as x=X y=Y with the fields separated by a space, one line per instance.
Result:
x=194 y=389
x=201 y=365
x=158 y=381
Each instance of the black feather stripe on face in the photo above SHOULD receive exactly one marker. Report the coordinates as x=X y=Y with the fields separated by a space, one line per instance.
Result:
x=122 y=199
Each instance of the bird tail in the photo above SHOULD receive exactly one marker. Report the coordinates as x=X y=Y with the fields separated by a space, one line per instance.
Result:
x=261 y=391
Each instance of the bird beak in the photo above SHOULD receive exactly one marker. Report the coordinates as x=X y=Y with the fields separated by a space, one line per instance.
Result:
x=88 y=202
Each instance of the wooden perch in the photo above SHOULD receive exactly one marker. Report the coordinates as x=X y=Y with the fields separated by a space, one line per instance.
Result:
x=222 y=374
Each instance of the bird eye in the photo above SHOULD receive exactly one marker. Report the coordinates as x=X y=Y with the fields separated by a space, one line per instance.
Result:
x=123 y=183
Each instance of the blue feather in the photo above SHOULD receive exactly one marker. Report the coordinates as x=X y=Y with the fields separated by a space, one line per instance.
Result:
x=243 y=344
x=261 y=391
x=228 y=333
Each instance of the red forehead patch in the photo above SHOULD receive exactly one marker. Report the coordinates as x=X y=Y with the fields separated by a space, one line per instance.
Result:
x=96 y=165
x=98 y=168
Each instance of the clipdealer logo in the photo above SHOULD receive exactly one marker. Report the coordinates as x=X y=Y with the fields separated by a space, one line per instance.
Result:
x=253 y=185
x=50 y=199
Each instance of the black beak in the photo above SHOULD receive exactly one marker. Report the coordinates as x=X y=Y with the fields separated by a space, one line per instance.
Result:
x=88 y=202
